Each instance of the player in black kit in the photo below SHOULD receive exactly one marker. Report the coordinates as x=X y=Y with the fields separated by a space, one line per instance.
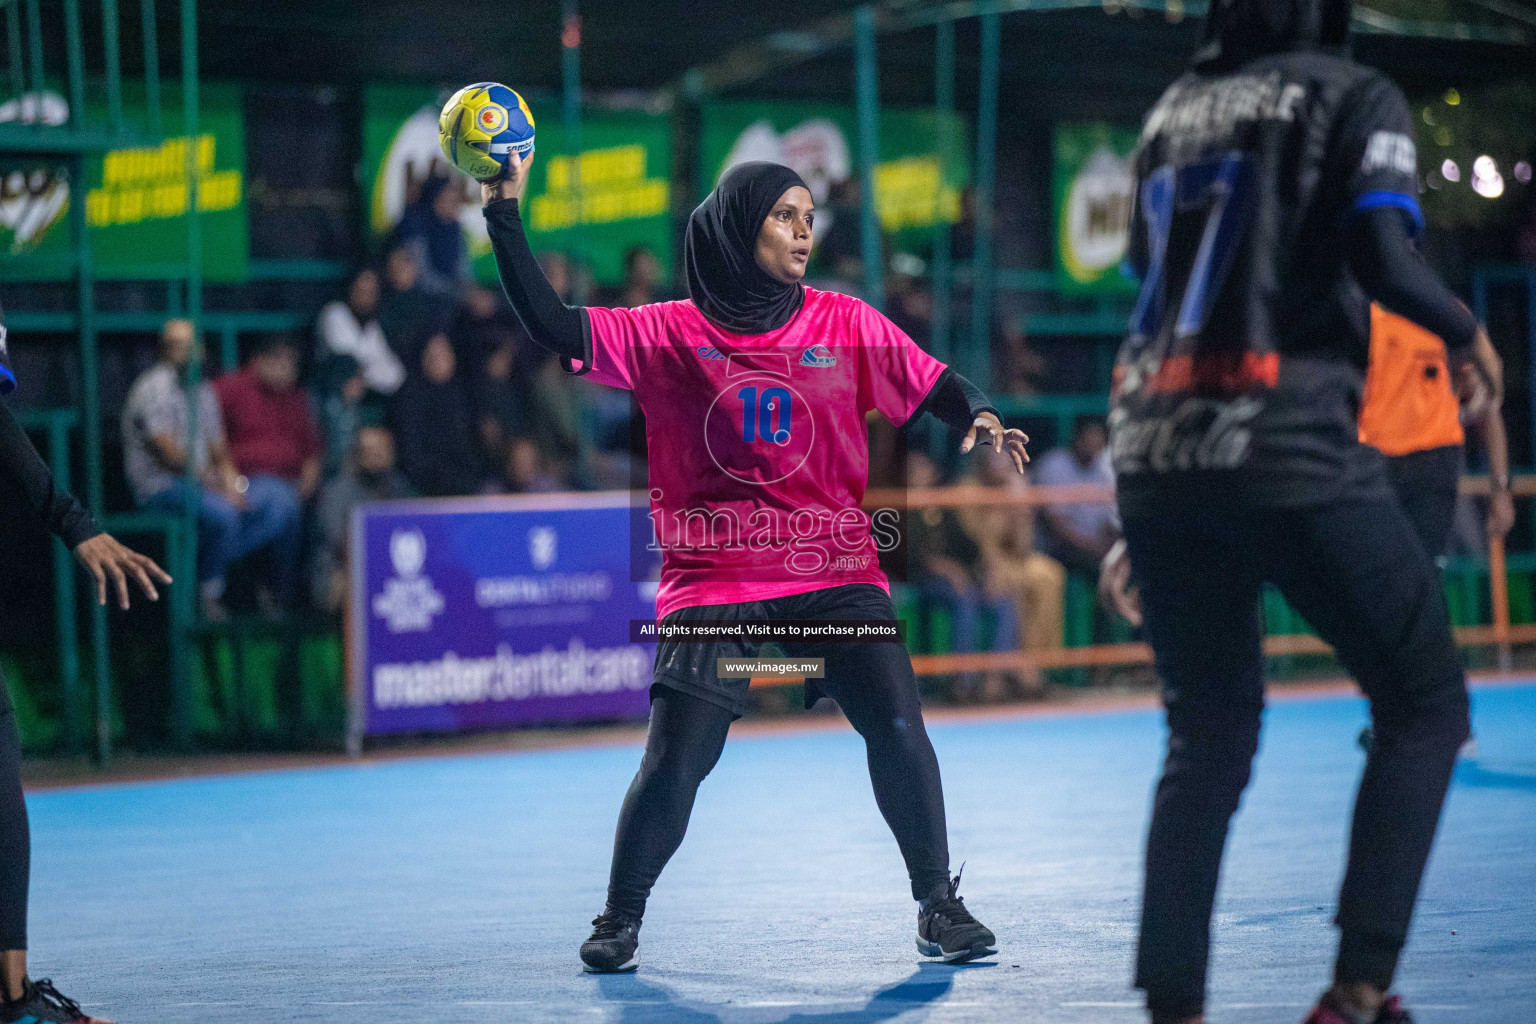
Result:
x=1275 y=196
x=25 y=479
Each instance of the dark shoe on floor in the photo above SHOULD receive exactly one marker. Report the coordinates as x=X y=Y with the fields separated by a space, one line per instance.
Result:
x=614 y=945
x=1328 y=1011
x=41 y=1003
x=946 y=929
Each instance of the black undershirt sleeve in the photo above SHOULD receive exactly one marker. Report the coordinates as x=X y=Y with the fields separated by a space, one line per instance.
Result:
x=955 y=401
x=23 y=471
x=1391 y=272
x=564 y=330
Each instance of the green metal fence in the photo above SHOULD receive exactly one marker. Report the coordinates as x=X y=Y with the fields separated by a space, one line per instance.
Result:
x=67 y=141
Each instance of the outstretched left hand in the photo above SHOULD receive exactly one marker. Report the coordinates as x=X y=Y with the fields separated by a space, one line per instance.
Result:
x=105 y=556
x=988 y=429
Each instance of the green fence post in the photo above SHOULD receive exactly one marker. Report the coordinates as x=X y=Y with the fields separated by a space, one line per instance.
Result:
x=943 y=269
x=980 y=368
x=570 y=108
x=13 y=44
x=91 y=428
x=35 y=39
x=867 y=91
x=151 y=68
x=64 y=594
x=75 y=61
x=182 y=712
x=113 y=66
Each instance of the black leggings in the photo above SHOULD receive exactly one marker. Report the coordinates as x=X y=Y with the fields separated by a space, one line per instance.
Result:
x=1357 y=573
x=874 y=685
x=15 y=836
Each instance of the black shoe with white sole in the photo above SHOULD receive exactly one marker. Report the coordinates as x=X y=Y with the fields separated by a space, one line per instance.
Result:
x=614 y=945
x=946 y=929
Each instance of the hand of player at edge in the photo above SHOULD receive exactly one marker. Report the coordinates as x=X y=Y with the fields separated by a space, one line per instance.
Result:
x=1115 y=591
x=512 y=183
x=988 y=429
x=1479 y=381
x=104 y=556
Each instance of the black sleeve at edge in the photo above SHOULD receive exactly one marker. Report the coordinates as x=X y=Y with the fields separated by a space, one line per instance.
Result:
x=23 y=470
x=955 y=401
x=1391 y=272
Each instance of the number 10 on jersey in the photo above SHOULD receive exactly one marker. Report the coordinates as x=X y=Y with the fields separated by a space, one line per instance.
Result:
x=769 y=416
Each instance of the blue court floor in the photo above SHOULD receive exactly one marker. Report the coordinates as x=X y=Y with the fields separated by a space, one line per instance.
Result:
x=456 y=890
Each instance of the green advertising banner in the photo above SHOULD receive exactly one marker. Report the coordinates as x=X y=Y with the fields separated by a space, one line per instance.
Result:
x=1094 y=187
x=624 y=170
x=916 y=185
x=136 y=199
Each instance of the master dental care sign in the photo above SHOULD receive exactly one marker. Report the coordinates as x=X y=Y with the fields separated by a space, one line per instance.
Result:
x=484 y=613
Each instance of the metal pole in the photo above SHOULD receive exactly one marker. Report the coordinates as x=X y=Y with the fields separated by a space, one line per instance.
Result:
x=980 y=368
x=64 y=597
x=867 y=90
x=13 y=42
x=75 y=59
x=151 y=68
x=944 y=104
x=80 y=241
x=1498 y=585
x=35 y=41
x=570 y=81
x=113 y=66
x=229 y=348
x=943 y=270
x=185 y=609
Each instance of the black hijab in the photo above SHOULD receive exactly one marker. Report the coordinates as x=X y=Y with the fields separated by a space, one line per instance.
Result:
x=1237 y=30
x=720 y=251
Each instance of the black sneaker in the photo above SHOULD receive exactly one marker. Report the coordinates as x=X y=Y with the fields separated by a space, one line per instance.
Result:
x=614 y=945
x=945 y=928
x=41 y=1003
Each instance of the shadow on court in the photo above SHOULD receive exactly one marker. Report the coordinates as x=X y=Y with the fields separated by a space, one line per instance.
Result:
x=1476 y=775
x=644 y=1002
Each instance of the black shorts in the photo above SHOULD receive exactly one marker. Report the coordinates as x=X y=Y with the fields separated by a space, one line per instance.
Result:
x=689 y=666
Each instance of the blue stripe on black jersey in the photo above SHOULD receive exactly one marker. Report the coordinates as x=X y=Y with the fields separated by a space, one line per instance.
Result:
x=1408 y=204
x=7 y=380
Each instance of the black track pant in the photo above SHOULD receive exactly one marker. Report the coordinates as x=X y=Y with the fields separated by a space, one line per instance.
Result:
x=1357 y=573
x=874 y=685
x=15 y=837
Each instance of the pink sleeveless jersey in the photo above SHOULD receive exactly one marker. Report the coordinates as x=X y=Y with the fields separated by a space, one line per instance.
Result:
x=759 y=453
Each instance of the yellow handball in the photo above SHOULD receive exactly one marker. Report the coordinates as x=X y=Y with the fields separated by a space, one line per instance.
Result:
x=480 y=125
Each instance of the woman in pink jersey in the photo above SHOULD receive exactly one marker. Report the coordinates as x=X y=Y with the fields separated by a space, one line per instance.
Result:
x=755 y=391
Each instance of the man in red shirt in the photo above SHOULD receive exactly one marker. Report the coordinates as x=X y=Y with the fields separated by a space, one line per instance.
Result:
x=275 y=444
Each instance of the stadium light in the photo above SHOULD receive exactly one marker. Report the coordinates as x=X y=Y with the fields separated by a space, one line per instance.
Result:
x=1449 y=171
x=1490 y=187
x=1486 y=179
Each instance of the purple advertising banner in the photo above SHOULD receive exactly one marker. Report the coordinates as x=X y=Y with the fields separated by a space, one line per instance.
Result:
x=484 y=613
